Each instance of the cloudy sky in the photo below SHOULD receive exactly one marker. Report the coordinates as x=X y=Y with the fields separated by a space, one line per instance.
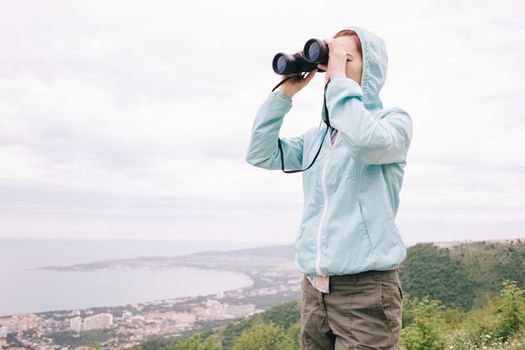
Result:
x=131 y=119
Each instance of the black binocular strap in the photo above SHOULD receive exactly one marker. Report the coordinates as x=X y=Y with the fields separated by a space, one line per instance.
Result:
x=324 y=136
x=312 y=163
x=327 y=121
x=290 y=77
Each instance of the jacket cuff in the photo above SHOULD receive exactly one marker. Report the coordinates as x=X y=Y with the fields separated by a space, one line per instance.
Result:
x=339 y=89
x=279 y=96
x=342 y=85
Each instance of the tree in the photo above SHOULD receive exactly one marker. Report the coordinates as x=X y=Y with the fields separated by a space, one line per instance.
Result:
x=510 y=311
x=424 y=332
x=429 y=270
x=196 y=343
x=291 y=341
x=262 y=336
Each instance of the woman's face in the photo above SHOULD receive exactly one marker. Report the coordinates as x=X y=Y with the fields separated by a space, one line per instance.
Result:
x=354 y=67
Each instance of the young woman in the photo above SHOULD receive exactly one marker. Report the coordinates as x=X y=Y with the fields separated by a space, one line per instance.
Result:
x=348 y=245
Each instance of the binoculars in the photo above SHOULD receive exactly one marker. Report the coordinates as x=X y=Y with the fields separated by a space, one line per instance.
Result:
x=315 y=52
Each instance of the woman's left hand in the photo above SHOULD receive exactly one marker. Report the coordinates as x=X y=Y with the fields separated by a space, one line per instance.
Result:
x=336 y=59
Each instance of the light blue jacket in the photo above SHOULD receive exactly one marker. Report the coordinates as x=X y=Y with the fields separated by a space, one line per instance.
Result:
x=351 y=193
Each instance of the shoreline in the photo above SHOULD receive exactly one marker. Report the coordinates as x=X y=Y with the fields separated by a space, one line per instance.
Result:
x=149 y=301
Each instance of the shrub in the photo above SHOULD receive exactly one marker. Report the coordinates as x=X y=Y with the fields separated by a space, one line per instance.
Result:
x=425 y=329
x=261 y=336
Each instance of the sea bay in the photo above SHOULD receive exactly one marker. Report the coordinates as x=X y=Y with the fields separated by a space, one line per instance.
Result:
x=24 y=288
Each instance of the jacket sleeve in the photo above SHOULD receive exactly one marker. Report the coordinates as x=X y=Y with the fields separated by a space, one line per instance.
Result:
x=263 y=151
x=370 y=140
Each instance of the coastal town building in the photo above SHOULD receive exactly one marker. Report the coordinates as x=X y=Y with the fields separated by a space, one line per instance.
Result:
x=97 y=321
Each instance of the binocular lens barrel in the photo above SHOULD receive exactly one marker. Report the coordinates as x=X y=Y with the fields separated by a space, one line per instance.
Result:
x=281 y=61
x=284 y=63
x=315 y=52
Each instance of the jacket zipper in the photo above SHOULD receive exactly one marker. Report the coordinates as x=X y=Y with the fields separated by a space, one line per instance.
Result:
x=325 y=208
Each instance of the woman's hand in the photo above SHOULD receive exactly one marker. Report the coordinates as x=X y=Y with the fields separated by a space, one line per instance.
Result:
x=336 y=59
x=294 y=85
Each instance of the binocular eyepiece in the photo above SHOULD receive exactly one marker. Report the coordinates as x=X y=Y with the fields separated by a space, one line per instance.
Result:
x=315 y=52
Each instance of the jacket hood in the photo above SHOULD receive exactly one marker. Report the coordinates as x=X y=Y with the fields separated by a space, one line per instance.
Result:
x=375 y=63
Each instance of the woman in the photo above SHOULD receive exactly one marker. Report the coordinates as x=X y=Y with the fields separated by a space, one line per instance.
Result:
x=348 y=245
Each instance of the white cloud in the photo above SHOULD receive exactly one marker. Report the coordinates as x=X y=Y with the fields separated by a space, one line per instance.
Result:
x=132 y=118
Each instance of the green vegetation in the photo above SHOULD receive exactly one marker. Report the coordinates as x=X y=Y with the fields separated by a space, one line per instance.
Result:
x=278 y=321
x=498 y=325
x=463 y=276
x=427 y=324
x=466 y=297
x=91 y=338
x=431 y=271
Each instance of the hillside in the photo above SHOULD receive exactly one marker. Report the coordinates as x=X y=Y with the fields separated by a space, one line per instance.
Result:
x=462 y=274
x=500 y=324
x=461 y=295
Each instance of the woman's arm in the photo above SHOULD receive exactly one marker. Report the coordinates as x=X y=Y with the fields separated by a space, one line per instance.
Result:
x=263 y=151
x=371 y=140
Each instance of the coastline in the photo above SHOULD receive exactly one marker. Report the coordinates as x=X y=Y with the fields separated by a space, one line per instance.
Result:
x=274 y=280
x=174 y=269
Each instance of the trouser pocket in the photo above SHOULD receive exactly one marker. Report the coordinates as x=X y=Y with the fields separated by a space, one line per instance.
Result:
x=392 y=304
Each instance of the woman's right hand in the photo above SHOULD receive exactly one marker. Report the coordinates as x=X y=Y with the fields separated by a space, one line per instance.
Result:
x=294 y=85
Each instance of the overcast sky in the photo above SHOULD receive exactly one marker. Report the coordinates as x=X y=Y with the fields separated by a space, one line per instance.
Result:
x=132 y=119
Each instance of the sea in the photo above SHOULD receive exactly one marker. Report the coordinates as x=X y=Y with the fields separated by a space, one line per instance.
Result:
x=25 y=290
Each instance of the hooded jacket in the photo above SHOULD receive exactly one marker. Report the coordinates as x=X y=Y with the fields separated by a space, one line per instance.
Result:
x=351 y=192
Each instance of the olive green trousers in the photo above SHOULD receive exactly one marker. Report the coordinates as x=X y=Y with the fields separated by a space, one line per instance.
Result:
x=362 y=311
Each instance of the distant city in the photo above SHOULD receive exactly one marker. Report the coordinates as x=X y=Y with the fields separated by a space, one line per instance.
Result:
x=275 y=277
